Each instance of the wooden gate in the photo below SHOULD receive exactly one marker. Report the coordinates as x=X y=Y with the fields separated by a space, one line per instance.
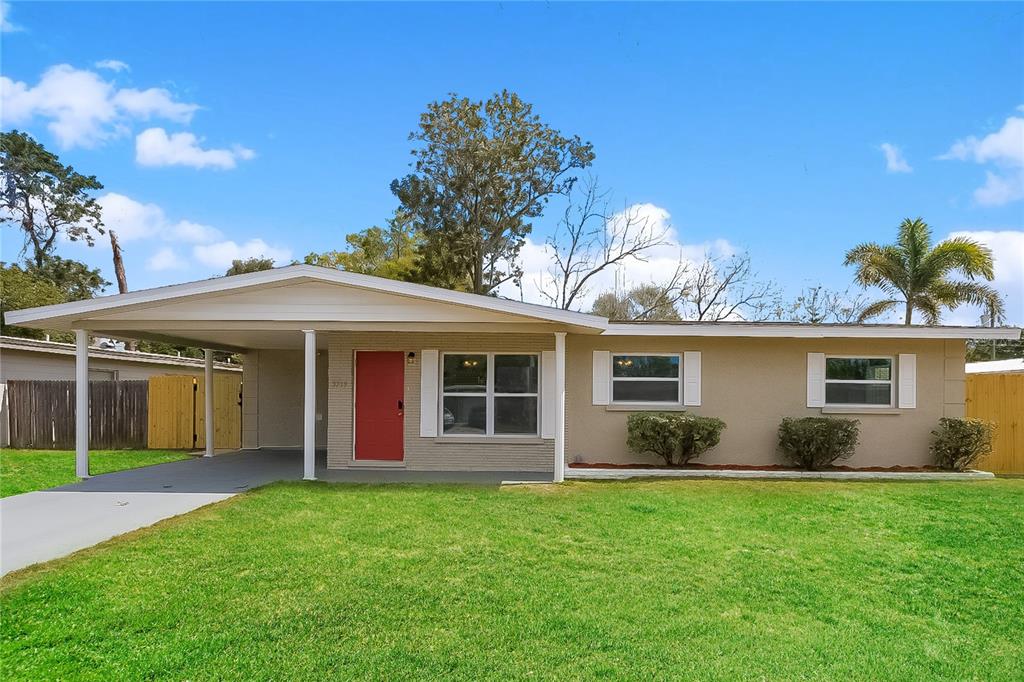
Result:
x=177 y=414
x=42 y=414
x=999 y=398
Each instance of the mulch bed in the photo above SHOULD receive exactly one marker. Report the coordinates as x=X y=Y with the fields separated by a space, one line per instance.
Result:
x=742 y=467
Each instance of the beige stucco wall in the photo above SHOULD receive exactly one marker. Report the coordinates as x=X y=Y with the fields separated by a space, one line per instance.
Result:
x=752 y=383
x=272 y=391
x=429 y=453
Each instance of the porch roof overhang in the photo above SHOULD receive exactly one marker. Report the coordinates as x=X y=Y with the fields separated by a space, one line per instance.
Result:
x=266 y=310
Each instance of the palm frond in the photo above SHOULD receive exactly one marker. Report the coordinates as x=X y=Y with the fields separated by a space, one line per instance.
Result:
x=914 y=239
x=960 y=254
x=879 y=266
x=954 y=294
x=929 y=308
x=878 y=308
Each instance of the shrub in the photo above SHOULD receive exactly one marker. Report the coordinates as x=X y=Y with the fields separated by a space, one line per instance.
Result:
x=812 y=442
x=674 y=436
x=960 y=443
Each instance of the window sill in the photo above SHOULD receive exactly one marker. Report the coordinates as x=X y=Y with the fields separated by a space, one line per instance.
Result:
x=647 y=407
x=860 y=410
x=495 y=440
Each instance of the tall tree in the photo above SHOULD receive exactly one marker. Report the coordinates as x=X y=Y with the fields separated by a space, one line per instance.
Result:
x=914 y=275
x=482 y=172
x=728 y=288
x=820 y=305
x=43 y=197
x=589 y=239
x=75 y=279
x=254 y=264
x=389 y=252
x=20 y=288
x=646 y=303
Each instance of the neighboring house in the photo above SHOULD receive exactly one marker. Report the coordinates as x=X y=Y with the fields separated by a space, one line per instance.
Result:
x=31 y=359
x=49 y=360
x=1012 y=366
x=392 y=374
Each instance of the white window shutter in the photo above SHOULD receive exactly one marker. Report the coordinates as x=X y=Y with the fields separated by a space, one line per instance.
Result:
x=691 y=378
x=602 y=377
x=548 y=408
x=428 y=393
x=815 y=380
x=907 y=369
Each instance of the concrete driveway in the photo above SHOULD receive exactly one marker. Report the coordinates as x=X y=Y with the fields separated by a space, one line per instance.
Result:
x=49 y=524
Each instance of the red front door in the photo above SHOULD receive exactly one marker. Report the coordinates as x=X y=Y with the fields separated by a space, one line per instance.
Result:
x=380 y=392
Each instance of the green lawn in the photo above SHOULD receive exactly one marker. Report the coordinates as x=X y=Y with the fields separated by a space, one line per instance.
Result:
x=23 y=471
x=642 y=580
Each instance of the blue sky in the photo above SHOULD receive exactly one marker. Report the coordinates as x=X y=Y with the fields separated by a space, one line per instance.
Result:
x=225 y=129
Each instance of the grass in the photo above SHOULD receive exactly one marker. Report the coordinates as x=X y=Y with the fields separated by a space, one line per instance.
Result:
x=23 y=471
x=639 y=580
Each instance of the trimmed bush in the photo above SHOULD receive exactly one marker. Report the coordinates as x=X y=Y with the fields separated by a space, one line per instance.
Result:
x=812 y=442
x=676 y=437
x=960 y=443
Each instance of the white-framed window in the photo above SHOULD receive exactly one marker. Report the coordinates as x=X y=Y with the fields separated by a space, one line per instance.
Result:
x=859 y=381
x=490 y=394
x=646 y=378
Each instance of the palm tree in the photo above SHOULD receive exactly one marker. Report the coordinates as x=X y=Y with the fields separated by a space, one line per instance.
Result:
x=914 y=274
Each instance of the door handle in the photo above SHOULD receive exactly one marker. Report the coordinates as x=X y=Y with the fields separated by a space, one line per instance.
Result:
x=401 y=406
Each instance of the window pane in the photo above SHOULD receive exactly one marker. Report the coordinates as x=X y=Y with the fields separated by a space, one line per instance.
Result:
x=876 y=369
x=646 y=391
x=465 y=414
x=515 y=373
x=465 y=373
x=515 y=415
x=645 y=366
x=858 y=394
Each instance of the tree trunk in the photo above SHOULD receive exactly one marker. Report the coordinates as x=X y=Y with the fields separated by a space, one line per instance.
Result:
x=122 y=280
x=910 y=313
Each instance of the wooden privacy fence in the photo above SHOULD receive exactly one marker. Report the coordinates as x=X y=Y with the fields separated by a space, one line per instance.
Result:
x=177 y=412
x=42 y=414
x=999 y=398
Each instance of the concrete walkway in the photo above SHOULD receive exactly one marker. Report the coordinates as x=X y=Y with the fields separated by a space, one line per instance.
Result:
x=49 y=524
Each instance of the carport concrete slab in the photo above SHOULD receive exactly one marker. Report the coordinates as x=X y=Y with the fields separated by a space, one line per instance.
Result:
x=46 y=525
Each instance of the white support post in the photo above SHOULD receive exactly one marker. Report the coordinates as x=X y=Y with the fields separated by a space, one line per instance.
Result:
x=81 y=403
x=560 y=407
x=208 y=406
x=309 y=409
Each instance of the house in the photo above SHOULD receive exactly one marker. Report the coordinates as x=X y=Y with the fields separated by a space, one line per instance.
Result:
x=392 y=374
x=1011 y=366
x=49 y=360
x=32 y=359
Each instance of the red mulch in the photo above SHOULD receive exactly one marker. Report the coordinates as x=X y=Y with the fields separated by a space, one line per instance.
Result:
x=741 y=467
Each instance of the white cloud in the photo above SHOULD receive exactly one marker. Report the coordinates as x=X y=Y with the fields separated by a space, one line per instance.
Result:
x=659 y=265
x=83 y=108
x=220 y=254
x=133 y=220
x=165 y=259
x=1008 y=251
x=1003 y=149
x=112 y=65
x=1000 y=189
x=154 y=147
x=894 y=159
x=5 y=19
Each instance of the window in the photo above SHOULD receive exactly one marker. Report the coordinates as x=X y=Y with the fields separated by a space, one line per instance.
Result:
x=645 y=379
x=858 y=381
x=490 y=394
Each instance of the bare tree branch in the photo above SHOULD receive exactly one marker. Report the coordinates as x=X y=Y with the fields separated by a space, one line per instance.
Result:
x=588 y=240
